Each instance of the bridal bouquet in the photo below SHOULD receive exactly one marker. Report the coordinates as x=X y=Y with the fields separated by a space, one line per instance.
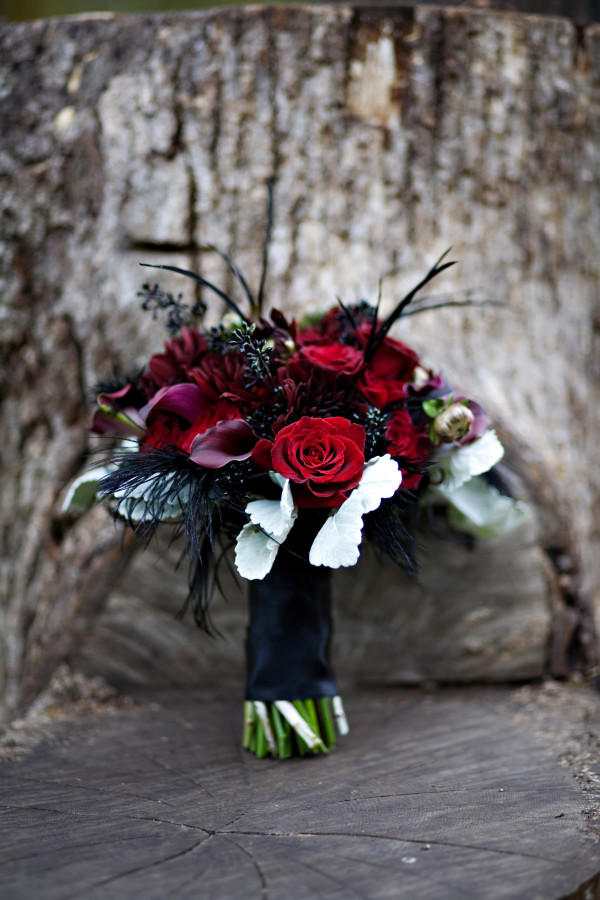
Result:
x=292 y=443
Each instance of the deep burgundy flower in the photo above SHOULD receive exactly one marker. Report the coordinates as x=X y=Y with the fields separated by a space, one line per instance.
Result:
x=339 y=359
x=394 y=360
x=223 y=443
x=225 y=376
x=324 y=458
x=118 y=413
x=165 y=430
x=410 y=445
x=314 y=392
x=381 y=392
x=222 y=411
x=329 y=328
x=185 y=400
x=125 y=422
x=338 y=325
x=181 y=353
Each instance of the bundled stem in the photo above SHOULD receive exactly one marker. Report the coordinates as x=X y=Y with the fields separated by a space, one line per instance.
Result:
x=286 y=728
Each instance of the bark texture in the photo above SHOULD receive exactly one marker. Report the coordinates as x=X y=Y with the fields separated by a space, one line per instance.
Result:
x=390 y=134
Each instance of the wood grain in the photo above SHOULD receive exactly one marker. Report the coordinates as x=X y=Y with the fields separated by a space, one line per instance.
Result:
x=432 y=796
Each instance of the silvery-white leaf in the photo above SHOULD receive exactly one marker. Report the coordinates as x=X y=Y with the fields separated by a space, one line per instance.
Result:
x=255 y=553
x=381 y=478
x=82 y=493
x=337 y=543
x=139 y=491
x=276 y=517
x=142 y=503
x=468 y=461
x=131 y=445
x=277 y=478
x=482 y=511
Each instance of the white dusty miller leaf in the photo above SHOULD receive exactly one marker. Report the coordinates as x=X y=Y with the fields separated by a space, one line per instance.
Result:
x=381 y=478
x=338 y=542
x=468 y=461
x=255 y=552
x=82 y=493
x=276 y=517
x=482 y=511
x=258 y=542
x=142 y=502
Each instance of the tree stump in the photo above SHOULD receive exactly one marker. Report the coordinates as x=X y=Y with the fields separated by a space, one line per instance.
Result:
x=389 y=134
x=435 y=795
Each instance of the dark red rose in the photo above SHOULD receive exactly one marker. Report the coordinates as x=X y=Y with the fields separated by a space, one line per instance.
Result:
x=394 y=360
x=380 y=392
x=329 y=327
x=407 y=442
x=339 y=359
x=338 y=323
x=324 y=458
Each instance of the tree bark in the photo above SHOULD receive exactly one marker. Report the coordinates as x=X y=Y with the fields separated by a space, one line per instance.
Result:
x=390 y=134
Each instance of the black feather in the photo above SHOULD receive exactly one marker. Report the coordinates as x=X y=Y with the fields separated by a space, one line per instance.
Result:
x=212 y=500
x=377 y=336
x=389 y=528
x=267 y=245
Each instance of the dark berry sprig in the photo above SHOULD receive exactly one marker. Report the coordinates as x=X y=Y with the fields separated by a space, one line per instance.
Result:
x=156 y=300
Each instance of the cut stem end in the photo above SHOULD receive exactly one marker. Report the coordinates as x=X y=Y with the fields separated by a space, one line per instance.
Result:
x=287 y=728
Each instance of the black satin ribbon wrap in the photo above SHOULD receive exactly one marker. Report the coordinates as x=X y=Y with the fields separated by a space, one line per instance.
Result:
x=289 y=635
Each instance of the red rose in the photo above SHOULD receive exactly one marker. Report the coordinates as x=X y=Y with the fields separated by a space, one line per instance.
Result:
x=394 y=359
x=340 y=359
x=329 y=328
x=407 y=442
x=381 y=391
x=323 y=457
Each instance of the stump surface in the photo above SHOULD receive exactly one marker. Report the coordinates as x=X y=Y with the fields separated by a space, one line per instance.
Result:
x=432 y=795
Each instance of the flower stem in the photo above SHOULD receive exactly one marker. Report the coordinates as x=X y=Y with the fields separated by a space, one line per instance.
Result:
x=326 y=721
x=248 y=724
x=284 y=728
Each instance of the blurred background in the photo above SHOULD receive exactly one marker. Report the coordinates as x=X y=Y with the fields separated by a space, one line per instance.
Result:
x=581 y=11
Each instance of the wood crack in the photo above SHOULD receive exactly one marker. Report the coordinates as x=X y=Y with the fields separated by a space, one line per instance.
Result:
x=264 y=887
x=400 y=839
x=134 y=871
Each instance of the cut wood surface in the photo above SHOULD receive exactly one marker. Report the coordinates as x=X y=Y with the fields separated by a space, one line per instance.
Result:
x=390 y=134
x=433 y=795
